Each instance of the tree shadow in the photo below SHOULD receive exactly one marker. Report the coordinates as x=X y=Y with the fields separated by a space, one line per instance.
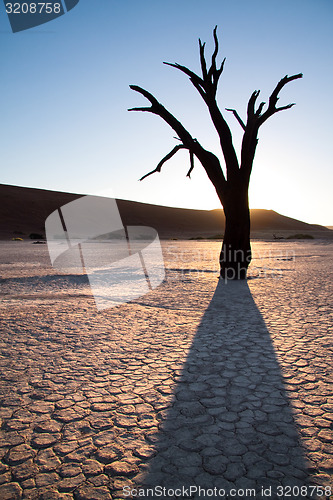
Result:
x=230 y=424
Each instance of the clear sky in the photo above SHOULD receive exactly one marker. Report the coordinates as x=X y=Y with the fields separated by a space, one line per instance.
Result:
x=65 y=93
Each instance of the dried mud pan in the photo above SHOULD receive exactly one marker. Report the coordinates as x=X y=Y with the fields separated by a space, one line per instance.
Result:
x=198 y=383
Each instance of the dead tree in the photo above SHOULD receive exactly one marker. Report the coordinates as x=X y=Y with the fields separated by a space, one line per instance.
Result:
x=232 y=187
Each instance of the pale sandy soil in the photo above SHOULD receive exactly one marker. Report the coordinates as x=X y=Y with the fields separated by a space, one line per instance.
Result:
x=225 y=386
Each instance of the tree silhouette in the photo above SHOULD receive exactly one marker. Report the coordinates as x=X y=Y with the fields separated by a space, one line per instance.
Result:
x=232 y=188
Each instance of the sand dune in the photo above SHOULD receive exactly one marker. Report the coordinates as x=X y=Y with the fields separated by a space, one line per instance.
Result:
x=23 y=211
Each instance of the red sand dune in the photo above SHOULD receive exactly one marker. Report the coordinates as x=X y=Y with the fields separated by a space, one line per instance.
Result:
x=23 y=211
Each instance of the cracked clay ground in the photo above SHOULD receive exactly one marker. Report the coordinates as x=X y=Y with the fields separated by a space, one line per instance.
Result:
x=197 y=383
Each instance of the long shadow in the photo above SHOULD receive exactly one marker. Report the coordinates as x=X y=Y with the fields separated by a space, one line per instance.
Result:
x=230 y=425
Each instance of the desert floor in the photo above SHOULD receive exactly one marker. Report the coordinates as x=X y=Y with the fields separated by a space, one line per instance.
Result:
x=196 y=384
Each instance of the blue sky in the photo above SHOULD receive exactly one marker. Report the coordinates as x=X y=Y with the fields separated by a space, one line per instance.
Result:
x=65 y=94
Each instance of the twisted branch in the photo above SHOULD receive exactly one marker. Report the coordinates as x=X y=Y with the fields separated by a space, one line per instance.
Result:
x=255 y=119
x=209 y=161
x=272 y=109
x=166 y=158
x=157 y=109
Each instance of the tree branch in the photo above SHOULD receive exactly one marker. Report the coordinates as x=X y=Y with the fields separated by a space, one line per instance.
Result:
x=216 y=47
x=191 y=165
x=288 y=106
x=147 y=95
x=212 y=69
x=202 y=59
x=259 y=110
x=141 y=109
x=274 y=97
x=209 y=161
x=238 y=118
x=251 y=104
x=166 y=158
x=255 y=119
x=207 y=88
x=157 y=109
x=194 y=78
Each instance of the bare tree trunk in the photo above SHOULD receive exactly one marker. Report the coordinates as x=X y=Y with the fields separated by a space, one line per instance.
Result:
x=235 y=255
